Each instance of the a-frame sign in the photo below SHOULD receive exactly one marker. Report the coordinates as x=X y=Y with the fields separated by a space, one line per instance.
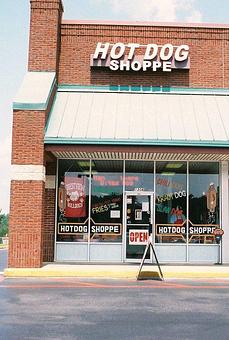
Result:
x=149 y=244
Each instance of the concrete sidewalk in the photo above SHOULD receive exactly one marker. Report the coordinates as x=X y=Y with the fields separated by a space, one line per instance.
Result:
x=117 y=271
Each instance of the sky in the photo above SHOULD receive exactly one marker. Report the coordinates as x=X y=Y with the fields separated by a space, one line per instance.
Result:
x=14 y=31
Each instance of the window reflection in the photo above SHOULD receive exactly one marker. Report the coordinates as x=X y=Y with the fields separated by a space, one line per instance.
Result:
x=106 y=201
x=203 y=201
x=172 y=225
x=139 y=176
x=171 y=202
x=73 y=201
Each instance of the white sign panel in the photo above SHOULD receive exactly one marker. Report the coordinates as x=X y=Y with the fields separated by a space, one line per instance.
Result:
x=145 y=206
x=126 y=57
x=115 y=213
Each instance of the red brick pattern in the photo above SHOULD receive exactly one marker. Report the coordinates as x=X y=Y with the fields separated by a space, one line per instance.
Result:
x=28 y=137
x=208 y=53
x=44 y=42
x=26 y=223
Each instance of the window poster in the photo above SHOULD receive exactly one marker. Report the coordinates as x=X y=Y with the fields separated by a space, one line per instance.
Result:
x=75 y=196
x=145 y=206
x=115 y=213
x=138 y=215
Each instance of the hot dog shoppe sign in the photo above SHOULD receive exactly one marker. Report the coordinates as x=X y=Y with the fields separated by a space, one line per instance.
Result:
x=136 y=57
x=95 y=228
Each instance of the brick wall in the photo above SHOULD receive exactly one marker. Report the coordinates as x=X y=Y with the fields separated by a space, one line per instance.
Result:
x=208 y=53
x=31 y=224
x=44 y=41
x=27 y=196
x=28 y=137
x=26 y=219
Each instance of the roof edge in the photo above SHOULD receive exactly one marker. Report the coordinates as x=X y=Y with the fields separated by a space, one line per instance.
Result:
x=145 y=23
x=40 y=101
x=143 y=142
x=142 y=89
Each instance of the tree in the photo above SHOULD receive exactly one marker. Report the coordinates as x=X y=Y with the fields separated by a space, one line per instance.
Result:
x=3 y=224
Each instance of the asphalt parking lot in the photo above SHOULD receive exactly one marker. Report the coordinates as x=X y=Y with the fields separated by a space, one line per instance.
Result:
x=70 y=308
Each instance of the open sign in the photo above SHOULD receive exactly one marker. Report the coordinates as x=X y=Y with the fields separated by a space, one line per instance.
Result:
x=138 y=237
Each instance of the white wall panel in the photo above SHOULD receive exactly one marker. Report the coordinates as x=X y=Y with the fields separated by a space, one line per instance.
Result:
x=149 y=117
x=176 y=117
x=106 y=252
x=170 y=253
x=191 y=131
x=82 y=115
x=56 y=118
x=214 y=117
x=71 y=252
x=203 y=253
x=110 y=116
x=223 y=106
x=96 y=116
x=69 y=116
x=139 y=116
x=202 y=120
x=162 y=117
x=123 y=116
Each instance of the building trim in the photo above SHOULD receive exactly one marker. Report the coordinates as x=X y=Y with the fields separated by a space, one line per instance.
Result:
x=142 y=89
x=146 y=142
x=40 y=101
x=27 y=172
x=145 y=23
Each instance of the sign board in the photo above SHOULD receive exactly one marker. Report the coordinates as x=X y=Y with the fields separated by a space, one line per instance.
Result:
x=138 y=236
x=176 y=229
x=148 y=246
x=95 y=228
x=129 y=57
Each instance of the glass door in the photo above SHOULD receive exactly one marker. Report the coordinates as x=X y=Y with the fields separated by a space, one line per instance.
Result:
x=139 y=220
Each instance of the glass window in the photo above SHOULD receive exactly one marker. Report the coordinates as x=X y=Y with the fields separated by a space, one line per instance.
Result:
x=106 y=201
x=171 y=202
x=73 y=200
x=203 y=201
x=139 y=176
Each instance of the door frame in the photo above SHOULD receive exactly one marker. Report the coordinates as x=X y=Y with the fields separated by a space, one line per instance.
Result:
x=152 y=217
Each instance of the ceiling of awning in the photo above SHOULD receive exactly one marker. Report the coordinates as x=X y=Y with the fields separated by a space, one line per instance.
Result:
x=116 y=118
x=136 y=153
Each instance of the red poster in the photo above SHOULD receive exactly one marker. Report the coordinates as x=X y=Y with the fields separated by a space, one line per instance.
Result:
x=75 y=196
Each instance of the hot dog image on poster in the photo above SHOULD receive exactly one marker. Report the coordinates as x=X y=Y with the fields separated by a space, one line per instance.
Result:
x=75 y=196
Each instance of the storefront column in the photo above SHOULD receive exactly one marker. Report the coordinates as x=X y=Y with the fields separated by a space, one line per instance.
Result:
x=225 y=212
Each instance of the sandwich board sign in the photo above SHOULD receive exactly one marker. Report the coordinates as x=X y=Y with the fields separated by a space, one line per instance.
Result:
x=148 y=245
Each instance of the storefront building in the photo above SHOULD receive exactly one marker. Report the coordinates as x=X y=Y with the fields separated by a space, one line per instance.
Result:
x=120 y=130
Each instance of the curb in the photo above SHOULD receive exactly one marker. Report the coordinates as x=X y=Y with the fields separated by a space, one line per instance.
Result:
x=18 y=272
x=110 y=274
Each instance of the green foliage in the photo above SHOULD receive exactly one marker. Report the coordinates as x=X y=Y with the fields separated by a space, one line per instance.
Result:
x=4 y=218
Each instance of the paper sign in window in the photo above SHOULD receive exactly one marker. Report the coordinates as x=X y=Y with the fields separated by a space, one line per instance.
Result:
x=138 y=215
x=145 y=206
x=115 y=213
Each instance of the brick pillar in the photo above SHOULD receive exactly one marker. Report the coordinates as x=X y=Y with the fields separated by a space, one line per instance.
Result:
x=27 y=207
x=27 y=189
x=44 y=42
